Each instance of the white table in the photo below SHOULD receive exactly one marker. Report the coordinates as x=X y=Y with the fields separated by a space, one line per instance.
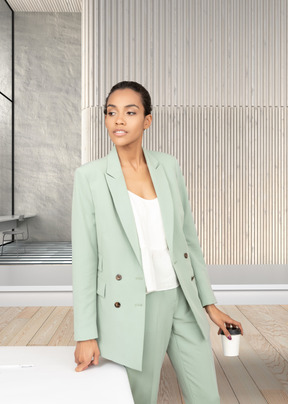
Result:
x=10 y=221
x=53 y=379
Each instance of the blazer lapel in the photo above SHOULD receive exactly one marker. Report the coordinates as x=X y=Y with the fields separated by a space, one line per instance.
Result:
x=116 y=183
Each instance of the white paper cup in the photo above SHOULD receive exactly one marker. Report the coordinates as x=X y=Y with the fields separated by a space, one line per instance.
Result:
x=231 y=347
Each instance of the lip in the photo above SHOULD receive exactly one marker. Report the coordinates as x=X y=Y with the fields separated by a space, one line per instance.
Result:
x=119 y=132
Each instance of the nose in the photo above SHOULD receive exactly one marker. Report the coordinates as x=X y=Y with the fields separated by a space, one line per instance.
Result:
x=120 y=120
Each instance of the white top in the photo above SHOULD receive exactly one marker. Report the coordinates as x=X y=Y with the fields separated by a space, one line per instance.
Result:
x=158 y=270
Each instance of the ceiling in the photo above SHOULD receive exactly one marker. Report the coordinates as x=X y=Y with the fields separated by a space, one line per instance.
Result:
x=54 y=6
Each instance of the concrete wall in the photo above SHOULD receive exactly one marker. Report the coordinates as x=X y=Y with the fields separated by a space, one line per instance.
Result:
x=47 y=119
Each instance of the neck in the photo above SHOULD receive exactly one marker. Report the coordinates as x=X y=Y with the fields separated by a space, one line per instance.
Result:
x=131 y=156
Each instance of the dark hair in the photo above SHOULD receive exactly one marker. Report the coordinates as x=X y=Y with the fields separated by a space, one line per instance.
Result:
x=138 y=88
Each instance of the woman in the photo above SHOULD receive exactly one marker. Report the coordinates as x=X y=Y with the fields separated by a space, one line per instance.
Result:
x=139 y=278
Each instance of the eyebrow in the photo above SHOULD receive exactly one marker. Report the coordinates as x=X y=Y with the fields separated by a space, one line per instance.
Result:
x=126 y=106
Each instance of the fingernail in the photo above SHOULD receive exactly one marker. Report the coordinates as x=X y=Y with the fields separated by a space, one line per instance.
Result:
x=229 y=337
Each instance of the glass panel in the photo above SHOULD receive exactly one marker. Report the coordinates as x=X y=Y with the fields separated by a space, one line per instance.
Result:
x=5 y=156
x=5 y=49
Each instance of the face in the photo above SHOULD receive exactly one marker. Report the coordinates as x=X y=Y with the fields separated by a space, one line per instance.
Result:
x=125 y=120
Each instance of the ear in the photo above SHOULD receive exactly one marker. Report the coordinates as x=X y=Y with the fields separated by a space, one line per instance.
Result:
x=147 y=121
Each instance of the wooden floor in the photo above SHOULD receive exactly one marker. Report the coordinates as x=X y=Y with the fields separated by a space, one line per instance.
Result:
x=258 y=375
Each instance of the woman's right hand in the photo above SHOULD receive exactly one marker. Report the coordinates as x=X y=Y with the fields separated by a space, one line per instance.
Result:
x=86 y=354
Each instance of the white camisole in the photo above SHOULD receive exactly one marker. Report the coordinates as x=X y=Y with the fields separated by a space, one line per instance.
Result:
x=158 y=270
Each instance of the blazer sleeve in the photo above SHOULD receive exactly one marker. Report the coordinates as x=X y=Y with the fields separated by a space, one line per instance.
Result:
x=84 y=259
x=205 y=292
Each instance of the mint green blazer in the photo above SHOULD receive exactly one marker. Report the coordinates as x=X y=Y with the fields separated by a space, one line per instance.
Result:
x=108 y=282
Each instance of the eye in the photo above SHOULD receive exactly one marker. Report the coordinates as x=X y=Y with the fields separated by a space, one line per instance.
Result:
x=131 y=113
x=111 y=113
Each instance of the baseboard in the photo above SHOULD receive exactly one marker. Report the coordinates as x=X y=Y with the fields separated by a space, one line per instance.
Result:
x=250 y=284
x=242 y=297
x=62 y=297
x=48 y=298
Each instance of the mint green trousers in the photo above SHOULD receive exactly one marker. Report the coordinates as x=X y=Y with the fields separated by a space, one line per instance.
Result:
x=171 y=327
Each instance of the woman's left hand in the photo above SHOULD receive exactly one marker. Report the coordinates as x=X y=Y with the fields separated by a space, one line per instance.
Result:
x=222 y=320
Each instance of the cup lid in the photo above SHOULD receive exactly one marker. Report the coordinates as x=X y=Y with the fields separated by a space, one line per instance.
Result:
x=232 y=331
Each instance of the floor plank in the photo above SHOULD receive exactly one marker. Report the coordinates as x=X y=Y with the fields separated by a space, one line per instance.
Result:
x=71 y=341
x=263 y=378
x=47 y=330
x=14 y=326
x=64 y=332
x=8 y=316
x=24 y=336
x=276 y=396
x=243 y=385
x=2 y=310
x=225 y=390
x=28 y=312
x=271 y=321
x=269 y=355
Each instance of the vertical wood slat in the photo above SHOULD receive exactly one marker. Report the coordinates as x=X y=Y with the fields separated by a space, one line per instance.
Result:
x=235 y=164
x=188 y=52
x=218 y=107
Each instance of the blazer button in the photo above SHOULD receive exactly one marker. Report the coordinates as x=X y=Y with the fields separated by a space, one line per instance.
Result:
x=186 y=255
x=117 y=305
x=118 y=277
x=192 y=278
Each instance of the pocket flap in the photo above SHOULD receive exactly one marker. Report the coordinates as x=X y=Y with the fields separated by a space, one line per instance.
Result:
x=100 y=263
x=101 y=287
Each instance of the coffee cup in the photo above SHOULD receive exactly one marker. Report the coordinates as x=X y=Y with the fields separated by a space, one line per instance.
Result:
x=231 y=347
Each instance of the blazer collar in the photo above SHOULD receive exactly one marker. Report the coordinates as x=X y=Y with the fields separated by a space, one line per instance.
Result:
x=117 y=185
